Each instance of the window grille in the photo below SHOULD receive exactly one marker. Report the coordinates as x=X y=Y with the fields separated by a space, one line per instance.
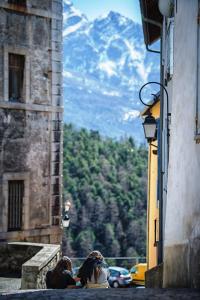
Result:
x=16 y=77
x=15 y=203
x=17 y=2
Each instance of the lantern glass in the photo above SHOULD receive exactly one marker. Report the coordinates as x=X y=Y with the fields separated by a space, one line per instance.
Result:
x=65 y=221
x=150 y=127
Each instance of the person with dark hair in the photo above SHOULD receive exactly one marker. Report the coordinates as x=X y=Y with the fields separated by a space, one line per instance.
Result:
x=61 y=276
x=94 y=272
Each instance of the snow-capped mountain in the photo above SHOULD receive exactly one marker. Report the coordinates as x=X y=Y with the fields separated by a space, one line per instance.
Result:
x=104 y=65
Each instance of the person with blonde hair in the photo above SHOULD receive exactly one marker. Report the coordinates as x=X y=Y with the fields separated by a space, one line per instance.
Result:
x=94 y=272
x=60 y=277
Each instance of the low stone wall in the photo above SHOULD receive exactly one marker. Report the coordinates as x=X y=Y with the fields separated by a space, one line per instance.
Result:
x=14 y=255
x=31 y=260
x=35 y=269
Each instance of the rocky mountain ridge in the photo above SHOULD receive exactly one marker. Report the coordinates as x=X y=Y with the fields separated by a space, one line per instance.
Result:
x=105 y=63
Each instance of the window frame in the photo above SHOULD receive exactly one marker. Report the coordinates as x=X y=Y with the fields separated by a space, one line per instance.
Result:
x=15 y=203
x=27 y=90
x=25 y=176
x=16 y=72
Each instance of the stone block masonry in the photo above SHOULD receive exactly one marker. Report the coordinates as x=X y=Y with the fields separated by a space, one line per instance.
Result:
x=30 y=261
x=35 y=269
x=31 y=120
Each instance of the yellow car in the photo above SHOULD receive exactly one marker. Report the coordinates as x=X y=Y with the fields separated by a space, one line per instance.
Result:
x=138 y=274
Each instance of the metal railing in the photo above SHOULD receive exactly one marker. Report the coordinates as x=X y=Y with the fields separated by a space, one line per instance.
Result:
x=121 y=261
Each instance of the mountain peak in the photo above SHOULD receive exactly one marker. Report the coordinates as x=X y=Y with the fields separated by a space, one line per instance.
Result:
x=113 y=13
x=67 y=2
x=105 y=64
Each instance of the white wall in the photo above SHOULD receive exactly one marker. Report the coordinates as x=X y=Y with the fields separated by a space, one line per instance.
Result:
x=183 y=196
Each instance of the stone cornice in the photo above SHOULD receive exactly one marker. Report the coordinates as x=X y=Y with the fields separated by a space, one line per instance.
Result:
x=31 y=11
x=31 y=107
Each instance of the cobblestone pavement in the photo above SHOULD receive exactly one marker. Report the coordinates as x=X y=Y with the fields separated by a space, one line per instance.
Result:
x=104 y=294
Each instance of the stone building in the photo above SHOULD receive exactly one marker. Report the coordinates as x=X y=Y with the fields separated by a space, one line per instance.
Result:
x=30 y=120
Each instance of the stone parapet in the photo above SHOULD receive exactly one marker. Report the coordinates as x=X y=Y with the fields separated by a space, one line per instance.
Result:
x=35 y=269
x=32 y=260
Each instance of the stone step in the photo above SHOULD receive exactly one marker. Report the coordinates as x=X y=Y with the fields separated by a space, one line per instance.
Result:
x=104 y=294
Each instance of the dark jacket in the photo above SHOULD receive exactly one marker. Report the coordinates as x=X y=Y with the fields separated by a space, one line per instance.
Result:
x=59 y=281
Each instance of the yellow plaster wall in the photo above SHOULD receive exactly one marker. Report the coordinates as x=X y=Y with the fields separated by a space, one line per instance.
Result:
x=152 y=204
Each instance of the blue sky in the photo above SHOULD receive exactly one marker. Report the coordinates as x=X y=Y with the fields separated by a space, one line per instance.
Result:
x=94 y=8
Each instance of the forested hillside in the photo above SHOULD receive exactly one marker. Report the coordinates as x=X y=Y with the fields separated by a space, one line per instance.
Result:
x=106 y=182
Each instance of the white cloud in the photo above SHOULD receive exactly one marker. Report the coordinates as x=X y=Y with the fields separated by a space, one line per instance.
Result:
x=135 y=54
x=143 y=71
x=67 y=74
x=108 y=67
x=71 y=29
x=68 y=2
x=112 y=93
x=138 y=60
x=130 y=115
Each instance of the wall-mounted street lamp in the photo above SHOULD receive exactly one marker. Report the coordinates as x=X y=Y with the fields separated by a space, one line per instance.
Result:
x=66 y=219
x=150 y=128
x=150 y=124
x=67 y=206
x=161 y=155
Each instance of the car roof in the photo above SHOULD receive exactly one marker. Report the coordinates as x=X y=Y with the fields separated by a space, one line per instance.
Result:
x=141 y=264
x=117 y=268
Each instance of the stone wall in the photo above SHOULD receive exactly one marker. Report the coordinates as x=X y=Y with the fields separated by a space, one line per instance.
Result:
x=31 y=261
x=13 y=256
x=34 y=270
x=31 y=129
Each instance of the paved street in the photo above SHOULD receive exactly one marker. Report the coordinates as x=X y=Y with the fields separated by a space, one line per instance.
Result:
x=105 y=294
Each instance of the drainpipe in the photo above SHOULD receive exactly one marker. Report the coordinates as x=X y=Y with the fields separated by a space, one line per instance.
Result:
x=161 y=174
x=160 y=243
x=150 y=21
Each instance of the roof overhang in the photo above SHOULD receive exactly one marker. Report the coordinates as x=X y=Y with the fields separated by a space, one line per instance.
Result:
x=151 y=20
x=151 y=104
